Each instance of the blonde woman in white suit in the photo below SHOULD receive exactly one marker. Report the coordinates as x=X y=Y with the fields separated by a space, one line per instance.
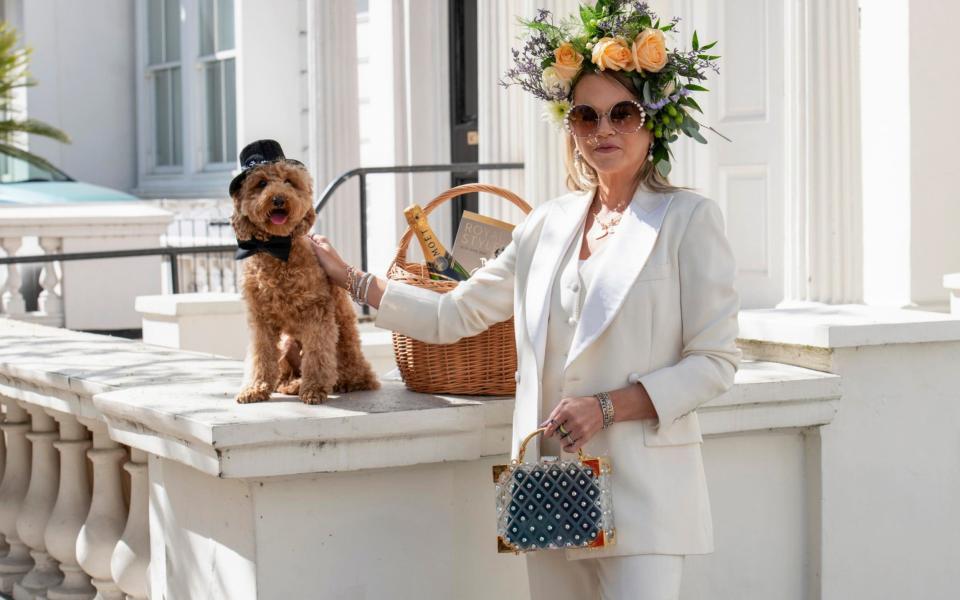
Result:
x=623 y=286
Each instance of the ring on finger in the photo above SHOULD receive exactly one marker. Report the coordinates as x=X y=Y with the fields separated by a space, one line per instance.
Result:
x=562 y=430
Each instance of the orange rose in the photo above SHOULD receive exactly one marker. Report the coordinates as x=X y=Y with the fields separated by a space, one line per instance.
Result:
x=612 y=53
x=567 y=61
x=650 y=51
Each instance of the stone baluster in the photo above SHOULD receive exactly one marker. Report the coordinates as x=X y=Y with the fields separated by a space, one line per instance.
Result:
x=131 y=558
x=108 y=512
x=38 y=505
x=10 y=295
x=70 y=511
x=51 y=301
x=16 y=477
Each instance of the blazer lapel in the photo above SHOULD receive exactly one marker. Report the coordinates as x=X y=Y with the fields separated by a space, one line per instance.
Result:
x=560 y=228
x=620 y=265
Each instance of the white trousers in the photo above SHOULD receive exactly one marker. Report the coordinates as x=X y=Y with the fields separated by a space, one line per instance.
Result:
x=638 y=577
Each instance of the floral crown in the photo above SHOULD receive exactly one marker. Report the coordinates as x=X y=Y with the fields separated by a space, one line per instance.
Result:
x=616 y=35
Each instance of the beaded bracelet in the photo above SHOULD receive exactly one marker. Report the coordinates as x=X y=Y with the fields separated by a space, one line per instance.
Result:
x=606 y=407
x=358 y=285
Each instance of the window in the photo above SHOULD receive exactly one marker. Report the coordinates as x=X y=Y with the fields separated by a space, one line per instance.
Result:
x=163 y=70
x=187 y=95
x=219 y=80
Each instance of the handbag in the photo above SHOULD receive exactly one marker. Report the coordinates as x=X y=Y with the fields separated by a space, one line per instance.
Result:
x=554 y=504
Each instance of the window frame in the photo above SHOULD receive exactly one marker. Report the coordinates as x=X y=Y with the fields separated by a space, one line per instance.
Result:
x=195 y=177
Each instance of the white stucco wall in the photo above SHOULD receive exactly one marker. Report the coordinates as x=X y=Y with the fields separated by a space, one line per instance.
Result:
x=83 y=59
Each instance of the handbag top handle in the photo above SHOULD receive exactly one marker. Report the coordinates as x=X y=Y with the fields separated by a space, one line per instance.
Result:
x=526 y=440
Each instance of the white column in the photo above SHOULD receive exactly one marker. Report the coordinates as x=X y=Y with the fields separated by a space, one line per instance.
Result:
x=131 y=558
x=824 y=235
x=108 y=514
x=334 y=145
x=543 y=146
x=16 y=477
x=51 y=301
x=501 y=124
x=70 y=511
x=38 y=506
x=10 y=296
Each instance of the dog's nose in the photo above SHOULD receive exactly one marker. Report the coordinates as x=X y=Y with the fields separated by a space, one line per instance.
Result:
x=278 y=201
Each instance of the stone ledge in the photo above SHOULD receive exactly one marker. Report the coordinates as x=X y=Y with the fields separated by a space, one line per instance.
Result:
x=179 y=405
x=846 y=325
x=178 y=305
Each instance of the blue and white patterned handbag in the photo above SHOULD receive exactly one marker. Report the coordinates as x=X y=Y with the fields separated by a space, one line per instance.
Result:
x=553 y=504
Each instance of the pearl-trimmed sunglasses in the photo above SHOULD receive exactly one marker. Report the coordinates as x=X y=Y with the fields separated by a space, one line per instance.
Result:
x=626 y=116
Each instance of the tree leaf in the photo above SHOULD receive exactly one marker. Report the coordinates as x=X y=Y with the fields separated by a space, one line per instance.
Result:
x=696 y=135
x=696 y=88
x=692 y=104
x=708 y=46
x=647 y=96
x=663 y=167
x=696 y=42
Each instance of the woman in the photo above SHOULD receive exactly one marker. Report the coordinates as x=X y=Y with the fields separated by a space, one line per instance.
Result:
x=624 y=286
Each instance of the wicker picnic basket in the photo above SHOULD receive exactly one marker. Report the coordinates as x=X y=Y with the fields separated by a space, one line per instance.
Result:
x=482 y=365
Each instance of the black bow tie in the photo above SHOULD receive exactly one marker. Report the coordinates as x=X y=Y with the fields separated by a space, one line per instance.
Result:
x=276 y=246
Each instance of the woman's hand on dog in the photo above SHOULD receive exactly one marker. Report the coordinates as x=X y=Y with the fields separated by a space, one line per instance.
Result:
x=328 y=258
x=336 y=269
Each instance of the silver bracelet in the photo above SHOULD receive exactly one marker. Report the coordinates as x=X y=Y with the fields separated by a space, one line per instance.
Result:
x=365 y=290
x=606 y=407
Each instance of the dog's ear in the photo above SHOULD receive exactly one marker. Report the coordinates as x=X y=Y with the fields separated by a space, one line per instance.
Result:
x=305 y=224
x=305 y=182
x=242 y=225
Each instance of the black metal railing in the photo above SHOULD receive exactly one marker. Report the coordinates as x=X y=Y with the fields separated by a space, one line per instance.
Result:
x=172 y=252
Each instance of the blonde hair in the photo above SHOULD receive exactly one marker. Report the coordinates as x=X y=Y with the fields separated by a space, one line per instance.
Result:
x=581 y=177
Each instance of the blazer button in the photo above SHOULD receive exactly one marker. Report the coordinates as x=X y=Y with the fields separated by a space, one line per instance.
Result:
x=516 y=376
x=572 y=320
x=634 y=377
x=575 y=286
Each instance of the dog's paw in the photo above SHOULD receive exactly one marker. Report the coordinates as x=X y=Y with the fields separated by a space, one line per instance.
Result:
x=290 y=387
x=255 y=392
x=313 y=396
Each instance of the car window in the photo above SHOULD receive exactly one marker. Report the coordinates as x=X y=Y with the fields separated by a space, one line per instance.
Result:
x=17 y=170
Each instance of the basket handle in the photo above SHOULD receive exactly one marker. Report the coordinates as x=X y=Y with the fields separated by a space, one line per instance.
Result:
x=452 y=193
x=541 y=431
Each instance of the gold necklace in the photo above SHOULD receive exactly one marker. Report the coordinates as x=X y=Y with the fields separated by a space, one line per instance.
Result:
x=607 y=228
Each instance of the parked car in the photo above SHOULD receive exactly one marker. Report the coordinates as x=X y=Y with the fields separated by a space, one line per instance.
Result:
x=25 y=183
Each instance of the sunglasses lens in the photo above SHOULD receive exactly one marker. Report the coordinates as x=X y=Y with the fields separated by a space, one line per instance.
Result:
x=583 y=120
x=626 y=117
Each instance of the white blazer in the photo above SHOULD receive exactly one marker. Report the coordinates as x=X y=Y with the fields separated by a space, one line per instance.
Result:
x=661 y=310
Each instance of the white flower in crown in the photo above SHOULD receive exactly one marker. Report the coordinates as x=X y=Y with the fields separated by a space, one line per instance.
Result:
x=556 y=111
x=668 y=89
x=554 y=84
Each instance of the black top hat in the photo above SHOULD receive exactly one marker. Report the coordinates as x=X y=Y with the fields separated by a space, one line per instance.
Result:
x=254 y=154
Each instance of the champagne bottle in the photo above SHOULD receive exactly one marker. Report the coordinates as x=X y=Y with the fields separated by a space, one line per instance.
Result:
x=441 y=264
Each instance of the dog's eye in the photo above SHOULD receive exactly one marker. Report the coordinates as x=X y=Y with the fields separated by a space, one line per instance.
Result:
x=287 y=181
x=262 y=183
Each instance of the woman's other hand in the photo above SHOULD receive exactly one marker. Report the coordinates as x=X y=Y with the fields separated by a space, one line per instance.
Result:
x=580 y=417
x=329 y=260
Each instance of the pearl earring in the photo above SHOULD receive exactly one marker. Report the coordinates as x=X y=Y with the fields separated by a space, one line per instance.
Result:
x=650 y=152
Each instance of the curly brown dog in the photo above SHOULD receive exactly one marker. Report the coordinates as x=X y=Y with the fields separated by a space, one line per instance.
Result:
x=272 y=202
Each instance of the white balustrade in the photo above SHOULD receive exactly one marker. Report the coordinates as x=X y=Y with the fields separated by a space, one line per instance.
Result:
x=108 y=513
x=131 y=558
x=38 y=506
x=51 y=301
x=16 y=477
x=66 y=287
x=70 y=511
x=10 y=295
